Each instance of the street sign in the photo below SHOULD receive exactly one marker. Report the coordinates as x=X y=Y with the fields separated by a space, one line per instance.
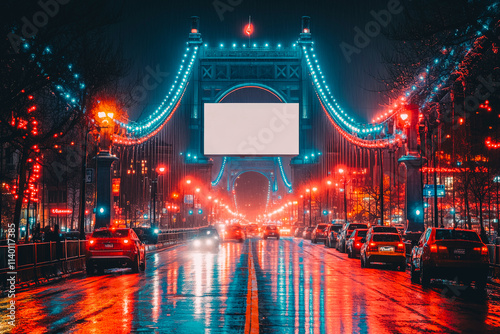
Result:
x=89 y=175
x=429 y=190
x=188 y=199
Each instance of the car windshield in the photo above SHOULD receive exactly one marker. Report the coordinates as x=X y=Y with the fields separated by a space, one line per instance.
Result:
x=207 y=232
x=457 y=235
x=356 y=226
x=384 y=229
x=110 y=234
x=270 y=227
x=362 y=233
x=321 y=227
x=386 y=237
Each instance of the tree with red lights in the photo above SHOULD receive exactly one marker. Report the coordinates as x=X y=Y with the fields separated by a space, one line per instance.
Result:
x=49 y=80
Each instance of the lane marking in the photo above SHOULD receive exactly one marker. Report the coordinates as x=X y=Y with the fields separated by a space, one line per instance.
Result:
x=252 y=312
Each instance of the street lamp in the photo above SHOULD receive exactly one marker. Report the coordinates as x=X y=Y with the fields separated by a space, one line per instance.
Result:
x=327 y=206
x=341 y=171
x=154 y=188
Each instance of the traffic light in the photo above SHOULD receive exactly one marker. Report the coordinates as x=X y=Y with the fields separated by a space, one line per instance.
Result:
x=190 y=212
x=325 y=212
x=200 y=211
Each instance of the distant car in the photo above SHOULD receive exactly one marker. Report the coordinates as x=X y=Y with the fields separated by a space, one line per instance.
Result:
x=319 y=233
x=115 y=247
x=270 y=231
x=331 y=235
x=307 y=233
x=355 y=242
x=234 y=232
x=207 y=238
x=252 y=229
x=382 y=229
x=285 y=230
x=147 y=235
x=385 y=248
x=453 y=254
x=299 y=231
x=345 y=232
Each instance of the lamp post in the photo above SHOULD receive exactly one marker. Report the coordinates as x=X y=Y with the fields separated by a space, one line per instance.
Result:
x=497 y=181
x=310 y=213
x=104 y=160
x=154 y=189
x=327 y=206
x=341 y=171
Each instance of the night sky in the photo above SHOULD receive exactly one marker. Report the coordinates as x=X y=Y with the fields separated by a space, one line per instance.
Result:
x=154 y=32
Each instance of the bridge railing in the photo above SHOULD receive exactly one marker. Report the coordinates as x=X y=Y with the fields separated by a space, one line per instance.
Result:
x=35 y=262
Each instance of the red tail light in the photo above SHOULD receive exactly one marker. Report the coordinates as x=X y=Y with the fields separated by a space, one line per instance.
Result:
x=91 y=243
x=126 y=241
x=401 y=248
x=373 y=247
x=434 y=248
x=358 y=244
x=484 y=250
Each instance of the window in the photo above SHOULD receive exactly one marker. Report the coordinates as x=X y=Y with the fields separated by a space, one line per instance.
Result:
x=387 y=237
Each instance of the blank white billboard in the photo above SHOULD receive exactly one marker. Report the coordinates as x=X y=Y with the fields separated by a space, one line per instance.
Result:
x=251 y=129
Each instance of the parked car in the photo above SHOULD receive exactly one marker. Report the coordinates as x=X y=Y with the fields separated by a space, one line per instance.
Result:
x=319 y=233
x=307 y=233
x=453 y=254
x=285 y=230
x=345 y=232
x=234 y=232
x=382 y=229
x=331 y=235
x=207 y=238
x=270 y=231
x=115 y=247
x=385 y=248
x=299 y=231
x=355 y=242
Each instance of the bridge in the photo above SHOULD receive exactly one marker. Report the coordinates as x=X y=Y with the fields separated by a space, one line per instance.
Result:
x=330 y=136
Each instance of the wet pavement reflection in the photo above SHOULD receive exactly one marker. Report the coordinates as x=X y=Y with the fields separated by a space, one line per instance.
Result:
x=286 y=286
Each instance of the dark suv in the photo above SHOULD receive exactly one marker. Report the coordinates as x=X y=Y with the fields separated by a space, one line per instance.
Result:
x=319 y=233
x=345 y=232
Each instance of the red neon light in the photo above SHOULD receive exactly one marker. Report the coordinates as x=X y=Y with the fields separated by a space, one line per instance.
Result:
x=248 y=29
x=61 y=211
x=491 y=144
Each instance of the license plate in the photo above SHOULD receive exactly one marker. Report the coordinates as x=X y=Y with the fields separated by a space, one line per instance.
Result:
x=386 y=249
x=108 y=245
x=459 y=251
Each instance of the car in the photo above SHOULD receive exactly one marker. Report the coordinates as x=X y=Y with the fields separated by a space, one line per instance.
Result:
x=147 y=235
x=382 y=229
x=115 y=247
x=285 y=230
x=331 y=235
x=383 y=247
x=207 y=238
x=299 y=231
x=307 y=233
x=319 y=233
x=234 y=232
x=454 y=254
x=270 y=231
x=355 y=242
x=345 y=232
x=252 y=229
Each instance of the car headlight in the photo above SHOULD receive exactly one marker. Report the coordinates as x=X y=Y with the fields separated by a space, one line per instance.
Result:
x=197 y=243
x=216 y=238
x=209 y=242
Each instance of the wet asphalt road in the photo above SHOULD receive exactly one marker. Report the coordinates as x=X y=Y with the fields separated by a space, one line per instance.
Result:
x=271 y=286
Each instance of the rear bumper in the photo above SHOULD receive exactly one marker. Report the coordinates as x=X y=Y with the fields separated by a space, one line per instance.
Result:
x=387 y=258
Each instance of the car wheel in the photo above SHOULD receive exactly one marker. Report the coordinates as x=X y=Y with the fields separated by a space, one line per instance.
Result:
x=135 y=264
x=89 y=268
x=481 y=283
x=415 y=276
x=425 y=275
x=143 y=264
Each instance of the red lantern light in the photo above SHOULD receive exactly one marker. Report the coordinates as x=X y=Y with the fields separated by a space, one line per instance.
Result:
x=248 y=29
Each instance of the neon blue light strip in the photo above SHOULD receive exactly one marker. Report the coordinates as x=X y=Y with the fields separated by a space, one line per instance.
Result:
x=287 y=183
x=221 y=172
